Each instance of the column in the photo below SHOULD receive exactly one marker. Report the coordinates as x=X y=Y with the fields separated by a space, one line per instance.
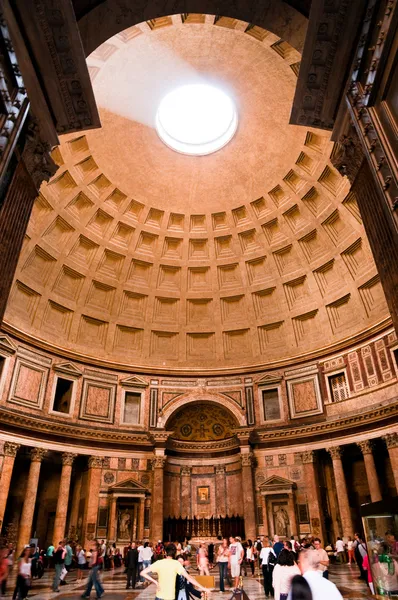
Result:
x=25 y=524
x=158 y=464
x=221 y=492
x=341 y=487
x=10 y=452
x=92 y=498
x=185 y=506
x=371 y=473
x=112 y=520
x=265 y=516
x=141 y=515
x=63 y=497
x=74 y=511
x=249 y=511
x=313 y=495
x=292 y=515
x=391 y=440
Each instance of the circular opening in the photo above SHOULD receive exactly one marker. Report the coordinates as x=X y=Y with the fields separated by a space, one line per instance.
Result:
x=196 y=119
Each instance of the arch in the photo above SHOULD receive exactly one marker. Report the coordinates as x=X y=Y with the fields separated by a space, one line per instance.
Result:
x=105 y=20
x=227 y=403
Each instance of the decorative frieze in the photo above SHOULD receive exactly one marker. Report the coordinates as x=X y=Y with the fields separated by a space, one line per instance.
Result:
x=246 y=459
x=186 y=471
x=391 y=440
x=95 y=462
x=336 y=452
x=365 y=446
x=308 y=456
x=11 y=449
x=68 y=458
x=37 y=454
x=159 y=462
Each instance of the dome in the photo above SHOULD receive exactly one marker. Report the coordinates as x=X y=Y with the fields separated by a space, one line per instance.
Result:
x=249 y=257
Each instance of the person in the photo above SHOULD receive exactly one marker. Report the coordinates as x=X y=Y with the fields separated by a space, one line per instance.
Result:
x=278 y=545
x=350 y=550
x=67 y=562
x=385 y=571
x=323 y=559
x=24 y=576
x=392 y=542
x=140 y=561
x=235 y=559
x=300 y=589
x=295 y=545
x=167 y=569
x=268 y=561
x=321 y=588
x=146 y=557
x=59 y=560
x=49 y=555
x=283 y=573
x=366 y=567
x=340 y=549
x=4 y=570
x=131 y=565
x=222 y=559
x=81 y=562
x=95 y=564
x=259 y=547
x=184 y=588
x=202 y=560
x=360 y=553
x=251 y=555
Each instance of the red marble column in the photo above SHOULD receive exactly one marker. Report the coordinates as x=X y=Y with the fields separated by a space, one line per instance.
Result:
x=74 y=511
x=186 y=491
x=141 y=513
x=63 y=497
x=249 y=510
x=391 y=440
x=313 y=494
x=10 y=452
x=292 y=515
x=92 y=499
x=371 y=473
x=158 y=464
x=112 y=520
x=342 y=495
x=30 y=493
x=221 y=492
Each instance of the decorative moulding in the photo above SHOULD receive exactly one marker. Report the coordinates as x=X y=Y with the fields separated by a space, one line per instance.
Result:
x=277 y=485
x=270 y=378
x=129 y=486
x=7 y=346
x=67 y=368
x=134 y=381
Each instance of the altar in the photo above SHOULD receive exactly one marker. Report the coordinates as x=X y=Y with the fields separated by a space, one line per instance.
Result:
x=200 y=529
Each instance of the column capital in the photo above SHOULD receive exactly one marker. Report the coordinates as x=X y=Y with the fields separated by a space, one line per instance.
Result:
x=247 y=459
x=159 y=462
x=220 y=469
x=37 y=454
x=391 y=439
x=308 y=456
x=186 y=471
x=365 y=446
x=68 y=458
x=336 y=452
x=11 y=449
x=95 y=462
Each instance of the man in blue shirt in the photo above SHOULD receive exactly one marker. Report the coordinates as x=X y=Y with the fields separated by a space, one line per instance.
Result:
x=278 y=546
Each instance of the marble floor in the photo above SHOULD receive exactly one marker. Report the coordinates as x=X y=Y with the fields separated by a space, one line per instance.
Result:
x=114 y=582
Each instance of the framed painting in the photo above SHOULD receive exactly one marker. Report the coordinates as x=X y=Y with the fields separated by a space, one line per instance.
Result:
x=203 y=494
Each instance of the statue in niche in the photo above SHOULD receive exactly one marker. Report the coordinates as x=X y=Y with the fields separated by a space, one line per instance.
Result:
x=281 y=519
x=124 y=524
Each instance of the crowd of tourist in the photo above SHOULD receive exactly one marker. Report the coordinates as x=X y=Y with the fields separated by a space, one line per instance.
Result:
x=290 y=569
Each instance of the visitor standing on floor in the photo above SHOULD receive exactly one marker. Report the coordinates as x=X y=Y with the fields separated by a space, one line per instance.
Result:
x=321 y=588
x=251 y=556
x=268 y=561
x=81 y=562
x=236 y=554
x=147 y=554
x=140 y=560
x=184 y=588
x=284 y=571
x=96 y=563
x=340 y=550
x=300 y=589
x=131 y=565
x=59 y=561
x=202 y=560
x=278 y=545
x=360 y=553
x=222 y=559
x=167 y=569
x=323 y=559
x=67 y=563
x=24 y=577
x=350 y=550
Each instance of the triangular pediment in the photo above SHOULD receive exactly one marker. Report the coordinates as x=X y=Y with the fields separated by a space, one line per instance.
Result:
x=7 y=346
x=128 y=485
x=134 y=381
x=67 y=368
x=275 y=482
x=270 y=378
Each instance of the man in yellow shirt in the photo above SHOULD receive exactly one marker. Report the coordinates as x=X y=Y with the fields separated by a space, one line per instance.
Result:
x=167 y=570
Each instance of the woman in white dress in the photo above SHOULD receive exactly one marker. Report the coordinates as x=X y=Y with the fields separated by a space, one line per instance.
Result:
x=284 y=571
x=24 y=577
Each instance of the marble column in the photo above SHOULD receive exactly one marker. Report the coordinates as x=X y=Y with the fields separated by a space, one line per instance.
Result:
x=249 y=510
x=313 y=493
x=112 y=520
x=185 y=487
x=341 y=487
x=74 y=511
x=292 y=515
x=63 y=497
x=30 y=493
x=221 y=492
x=141 y=514
x=158 y=464
x=92 y=499
x=371 y=473
x=265 y=516
x=10 y=452
x=391 y=440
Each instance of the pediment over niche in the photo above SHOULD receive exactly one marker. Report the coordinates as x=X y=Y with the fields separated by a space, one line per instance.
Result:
x=67 y=368
x=133 y=381
x=7 y=346
x=270 y=378
x=128 y=485
x=275 y=484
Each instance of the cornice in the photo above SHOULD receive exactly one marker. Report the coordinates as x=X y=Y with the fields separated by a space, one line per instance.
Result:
x=158 y=370
x=221 y=445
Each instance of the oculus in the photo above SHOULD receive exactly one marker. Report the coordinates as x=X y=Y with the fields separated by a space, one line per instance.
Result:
x=196 y=119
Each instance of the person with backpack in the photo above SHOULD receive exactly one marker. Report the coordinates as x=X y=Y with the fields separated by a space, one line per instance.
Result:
x=268 y=562
x=96 y=563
